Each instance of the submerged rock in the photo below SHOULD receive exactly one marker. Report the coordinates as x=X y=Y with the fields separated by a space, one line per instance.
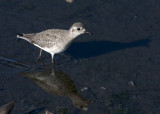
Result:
x=6 y=109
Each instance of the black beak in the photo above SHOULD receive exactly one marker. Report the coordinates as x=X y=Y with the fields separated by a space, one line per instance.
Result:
x=88 y=33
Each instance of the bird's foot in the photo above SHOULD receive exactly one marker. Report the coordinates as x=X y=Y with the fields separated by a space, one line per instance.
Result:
x=40 y=59
x=53 y=66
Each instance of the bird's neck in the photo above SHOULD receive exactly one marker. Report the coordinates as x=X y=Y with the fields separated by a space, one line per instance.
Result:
x=73 y=35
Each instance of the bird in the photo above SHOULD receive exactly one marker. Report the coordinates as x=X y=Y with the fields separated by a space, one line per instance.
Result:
x=54 y=40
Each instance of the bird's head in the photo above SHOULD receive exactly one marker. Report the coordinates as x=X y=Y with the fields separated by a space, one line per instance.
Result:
x=77 y=29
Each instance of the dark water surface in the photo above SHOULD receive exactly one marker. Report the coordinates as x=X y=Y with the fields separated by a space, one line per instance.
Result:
x=115 y=71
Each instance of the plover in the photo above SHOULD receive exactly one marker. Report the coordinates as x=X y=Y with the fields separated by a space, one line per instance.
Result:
x=54 y=40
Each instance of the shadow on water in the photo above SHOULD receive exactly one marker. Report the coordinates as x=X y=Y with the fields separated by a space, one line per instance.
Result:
x=35 y=111
x=96 y=48
x=58 y=83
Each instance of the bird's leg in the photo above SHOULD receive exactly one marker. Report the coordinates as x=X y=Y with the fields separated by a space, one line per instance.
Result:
x=40 y=54
x=40 y=57
x=53 y=62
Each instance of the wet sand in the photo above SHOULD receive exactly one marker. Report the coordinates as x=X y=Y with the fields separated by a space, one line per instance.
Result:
x=119 y=65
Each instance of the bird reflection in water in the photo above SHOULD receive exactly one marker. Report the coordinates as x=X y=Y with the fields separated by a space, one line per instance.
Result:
x=58 y=83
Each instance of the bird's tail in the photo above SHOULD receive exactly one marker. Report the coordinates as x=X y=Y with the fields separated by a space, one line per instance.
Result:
x=23 y=36
x=27 y=37
x=20 y=35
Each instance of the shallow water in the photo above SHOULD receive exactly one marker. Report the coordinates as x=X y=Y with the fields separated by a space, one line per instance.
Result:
x=117 y=67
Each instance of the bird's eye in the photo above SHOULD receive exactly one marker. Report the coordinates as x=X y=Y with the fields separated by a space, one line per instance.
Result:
x=78 y=29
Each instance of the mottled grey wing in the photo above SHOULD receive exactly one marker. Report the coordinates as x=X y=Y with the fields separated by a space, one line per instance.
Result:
x=45 y=39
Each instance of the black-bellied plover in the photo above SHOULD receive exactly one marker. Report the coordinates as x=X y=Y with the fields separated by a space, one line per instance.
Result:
x=54 y=40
